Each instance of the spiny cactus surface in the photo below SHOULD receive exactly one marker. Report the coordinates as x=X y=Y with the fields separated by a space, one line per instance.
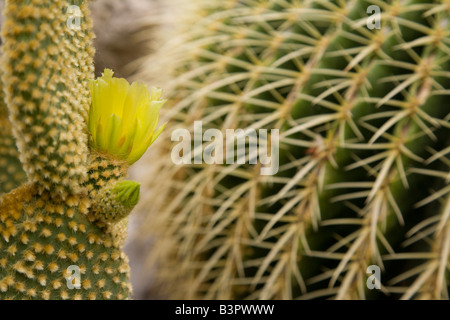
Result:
x=62 y=232
x=363 y=181
x=11 y=172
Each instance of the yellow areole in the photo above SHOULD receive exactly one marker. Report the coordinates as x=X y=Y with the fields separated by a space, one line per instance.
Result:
x=123 y=117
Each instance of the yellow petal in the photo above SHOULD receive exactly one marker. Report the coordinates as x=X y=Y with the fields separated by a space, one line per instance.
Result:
x=123 y=117
x=113 y=133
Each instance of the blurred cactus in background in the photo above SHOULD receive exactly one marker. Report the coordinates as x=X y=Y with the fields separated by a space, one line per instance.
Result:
x=363 y=116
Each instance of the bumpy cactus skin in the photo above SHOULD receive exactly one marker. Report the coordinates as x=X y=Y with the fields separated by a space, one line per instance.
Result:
x=42 y=235
x=55 y=220
x=47 y=67
x=364 y=137
x=11 y=172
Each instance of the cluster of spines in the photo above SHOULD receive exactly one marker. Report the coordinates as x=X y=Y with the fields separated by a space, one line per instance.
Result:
x=47 y=67
x=103 y=170
x=357 y=109
x=107 y=211
x=117 y=201
x=42 y=237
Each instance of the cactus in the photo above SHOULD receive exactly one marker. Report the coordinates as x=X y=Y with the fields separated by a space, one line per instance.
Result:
x=77 y=138
x=364 y=127
x=11 y=172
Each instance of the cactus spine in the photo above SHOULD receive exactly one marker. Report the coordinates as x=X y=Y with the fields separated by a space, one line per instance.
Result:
x=61 y=219
x=364 y=138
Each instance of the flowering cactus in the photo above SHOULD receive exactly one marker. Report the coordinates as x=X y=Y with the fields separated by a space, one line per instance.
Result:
x=72 y=212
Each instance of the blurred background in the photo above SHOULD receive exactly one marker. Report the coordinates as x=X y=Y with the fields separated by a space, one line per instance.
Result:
x=123 y=30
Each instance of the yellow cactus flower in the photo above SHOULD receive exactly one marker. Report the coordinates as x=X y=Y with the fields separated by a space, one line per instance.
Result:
x=123 y=117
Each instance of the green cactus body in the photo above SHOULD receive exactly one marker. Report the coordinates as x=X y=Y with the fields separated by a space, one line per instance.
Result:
x=71 y=216
x=44 y=235
x=46 y=72
x=364 y=127
x=11 y=172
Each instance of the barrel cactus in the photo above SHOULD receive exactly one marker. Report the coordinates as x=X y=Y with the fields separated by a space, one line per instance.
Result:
x=360 y=102
x=62 y=231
